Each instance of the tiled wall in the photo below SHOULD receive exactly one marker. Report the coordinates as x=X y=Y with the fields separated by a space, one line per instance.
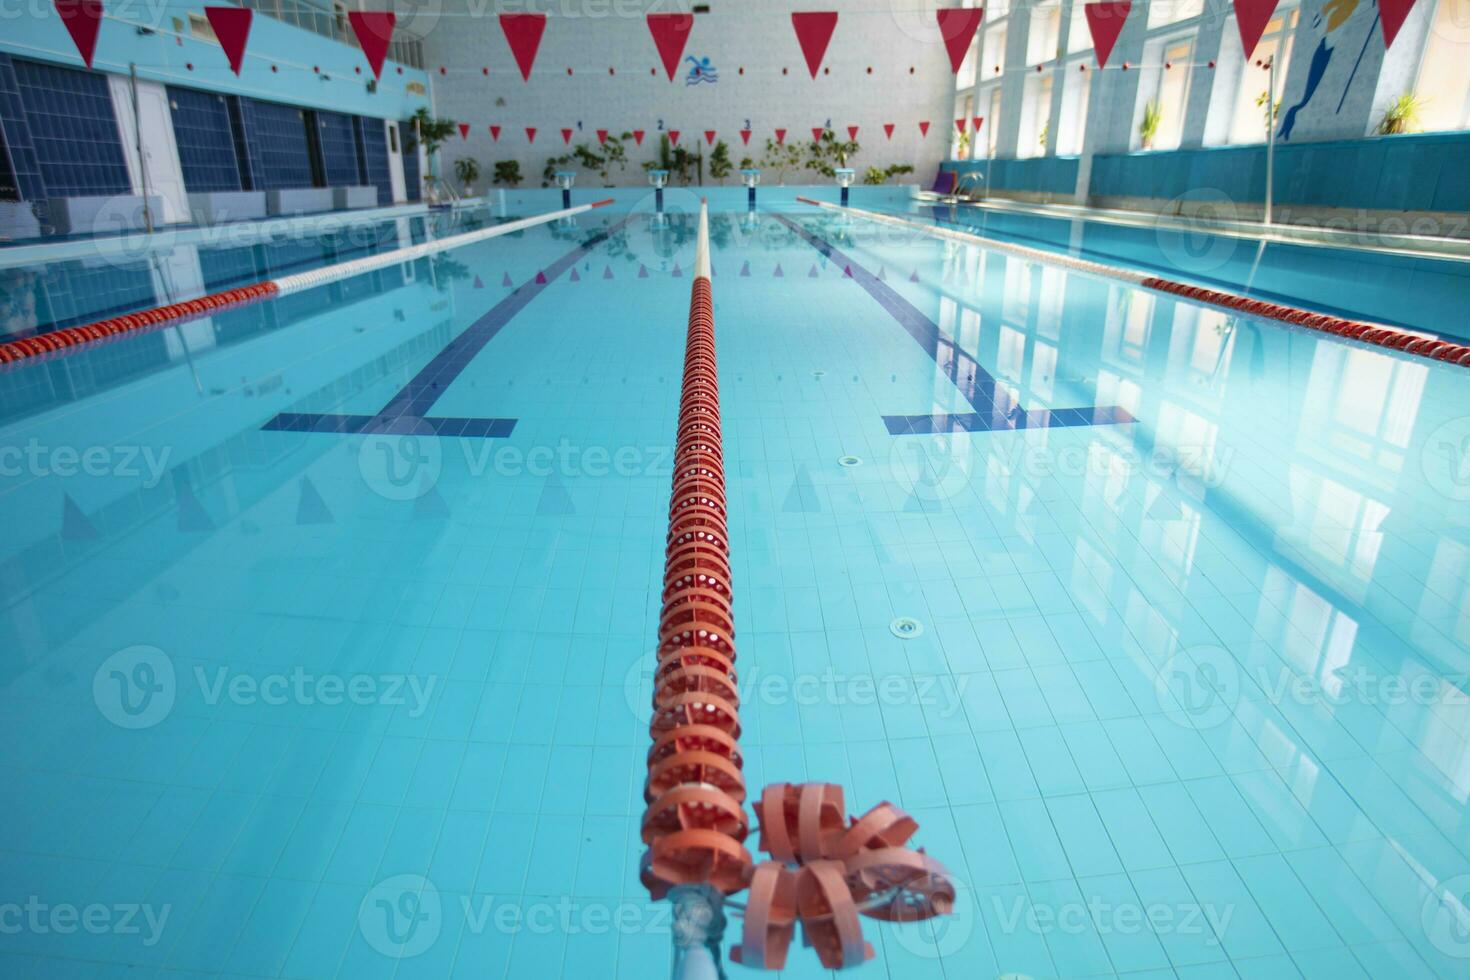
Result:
x=337 y=144
x=73 y=130
x=206 y=146
x=372 y=151
x=275 y=142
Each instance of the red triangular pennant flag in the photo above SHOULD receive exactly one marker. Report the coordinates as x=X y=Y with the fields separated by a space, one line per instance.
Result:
x=464 y=131
x=847 y=272
x=670 y=34
x=574 y=277
x=523 y=34
x=817 y=134
x=745 y=136
x=602 y=136
x=607 y=272
x=709 y=137
x=495 y=133
x=852 y=132
x=232 y=26
x=888 y=130
x=1393 y=13
x=82 y=19
x=1252 y=16
x=813 y=32
x=1105 y=21
x=505 y=280
x=638 y=136
x=960 y=125
x=976 y=123
x=530 y=134
x=958 y=27
x=780 y=136
x=924 y=128
x=374 y=31
x=566 y=136
x=541 y=278
x=673 y=137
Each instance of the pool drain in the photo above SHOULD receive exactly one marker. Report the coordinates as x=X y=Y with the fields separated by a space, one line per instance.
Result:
x=906 y=628
x=849 y=461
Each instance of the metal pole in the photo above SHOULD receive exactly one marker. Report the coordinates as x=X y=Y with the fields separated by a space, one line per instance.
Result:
x=1270 y=134
x=138 y=142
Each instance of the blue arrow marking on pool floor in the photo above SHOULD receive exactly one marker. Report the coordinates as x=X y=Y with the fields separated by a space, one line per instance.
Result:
x=995 y=407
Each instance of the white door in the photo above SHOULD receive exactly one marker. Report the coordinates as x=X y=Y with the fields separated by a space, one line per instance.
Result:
x=395 y=165
x=160 y=163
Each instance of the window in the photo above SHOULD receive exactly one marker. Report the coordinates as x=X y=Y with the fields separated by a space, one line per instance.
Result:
x=994 y=118
x=1173 y=94
x=1041 y=41
x=993 y=60
x=960 y=147
x=1444 y=73
x=1248 y=122
x=1035 y=115
x=1079 y=37
x=1072 y=127
x=1162 y=13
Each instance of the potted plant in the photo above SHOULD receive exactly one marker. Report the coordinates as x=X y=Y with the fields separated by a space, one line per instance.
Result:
x=719 y=162
x=467 y=171
x=508 y=172
x=431 y=133
x=1148 y=127
x=1402 y=115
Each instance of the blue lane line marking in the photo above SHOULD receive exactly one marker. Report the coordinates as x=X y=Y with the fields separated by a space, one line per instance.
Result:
x=995 y=407
x=414 y=399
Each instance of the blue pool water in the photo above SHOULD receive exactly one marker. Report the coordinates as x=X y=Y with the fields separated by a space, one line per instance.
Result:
x=288 y=696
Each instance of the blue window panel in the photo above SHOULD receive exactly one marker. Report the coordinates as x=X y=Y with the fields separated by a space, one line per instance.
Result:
x=277 y=149
x=338 y=146
x=373 y=152
x=24 y=169
x=206 y=144
x=73 y=132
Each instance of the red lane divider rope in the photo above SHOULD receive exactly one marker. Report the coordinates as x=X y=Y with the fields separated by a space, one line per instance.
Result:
x=60 y=341
x=824 y=869
x=1394 y=338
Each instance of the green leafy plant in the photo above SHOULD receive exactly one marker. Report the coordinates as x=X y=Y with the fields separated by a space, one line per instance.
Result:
x=962 y=146
x=826 y=154
x=1041 y=137
x=880 y=175
x=1402 y=115
x=719 y=162
x=467 y=171
x=1269 y=116
x=1148 y=126
x=675 y=159
x=431 y=132
x=746 y=163
x=781 y=157
x=508 y=172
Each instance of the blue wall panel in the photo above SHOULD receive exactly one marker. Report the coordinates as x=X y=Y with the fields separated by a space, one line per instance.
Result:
x=372 y=144
x=276 y=146
x=337 y=144
x=206 y=145
x=66 y=118
x=1421 y=172
x=413 y=188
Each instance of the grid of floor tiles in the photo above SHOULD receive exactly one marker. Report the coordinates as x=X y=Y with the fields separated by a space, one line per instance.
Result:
x=1069 y=788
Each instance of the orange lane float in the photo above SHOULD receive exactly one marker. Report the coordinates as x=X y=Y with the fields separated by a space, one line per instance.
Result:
x=825 y=871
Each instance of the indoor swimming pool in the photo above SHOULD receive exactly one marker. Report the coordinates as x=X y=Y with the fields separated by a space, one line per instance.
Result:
x=329 y=620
